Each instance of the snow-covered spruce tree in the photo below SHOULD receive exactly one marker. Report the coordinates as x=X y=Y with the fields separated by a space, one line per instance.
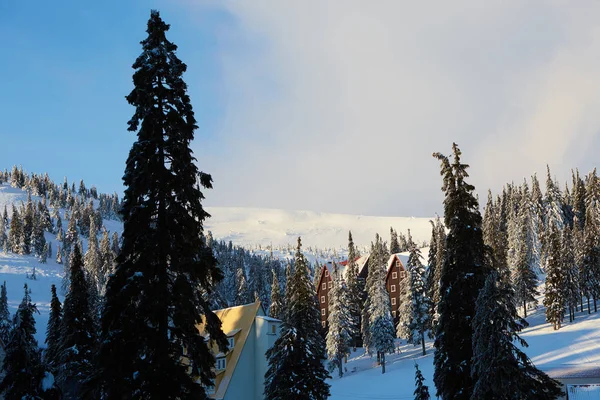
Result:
x=421 y=390
x=554 y=299
x=276 y=307
x=71 y=236
x=579 y=208
x=394 y=244
x=58 y=254
x=440 y=256
x=405 y=309
x=5 y=322
x=38 y=241
x=28 y=222
x=494 y=234
x=380 y=325
x=501 y=370
x=15 y=233
x=355 y=292
x=243 y=295
x=524 y=278
x=165 y=274
x=22 y=364
x=92 y=260
x=107 y=258
x=77 y=332
x=591 y=248
x=430 y=282
x=463 y=275
x=570 y=272
x=419 y=319
x=296 y=369
x=339 y=322
x=553 y=213
x=3 y=235
x=53 y=335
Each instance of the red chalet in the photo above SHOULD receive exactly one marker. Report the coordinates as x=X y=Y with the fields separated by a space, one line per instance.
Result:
x=395 y=272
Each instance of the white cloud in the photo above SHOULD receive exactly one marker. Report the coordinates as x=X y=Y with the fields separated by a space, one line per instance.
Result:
x=337 y=106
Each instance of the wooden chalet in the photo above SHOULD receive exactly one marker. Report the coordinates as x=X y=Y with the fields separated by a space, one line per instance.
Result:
x=326 y=282
x=396 y=272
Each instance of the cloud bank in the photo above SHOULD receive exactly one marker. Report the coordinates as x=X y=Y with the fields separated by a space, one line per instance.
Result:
x=337 y=106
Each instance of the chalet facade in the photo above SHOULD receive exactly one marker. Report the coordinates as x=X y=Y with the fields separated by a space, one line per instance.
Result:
x=240 y=373
x=396 y=272
x=326 y=282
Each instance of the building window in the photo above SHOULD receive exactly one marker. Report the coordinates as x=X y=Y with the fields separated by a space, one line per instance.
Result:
x=392 y=289
x=329 y=284
x=326 y=272
x=273 y=329
x=221 y=363
x=324 y=286
x=394 y=314
x=322 y=299
x=394 y=275
x=322 y=311
x=323 y=324
x=393 y=301
x=231 y=343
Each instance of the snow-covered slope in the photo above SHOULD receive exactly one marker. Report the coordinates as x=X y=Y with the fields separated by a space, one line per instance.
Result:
x=252 y=226
x=576 y=345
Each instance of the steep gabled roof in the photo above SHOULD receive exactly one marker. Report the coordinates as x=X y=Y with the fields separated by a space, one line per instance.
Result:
x=342 y=267
x=236 y=322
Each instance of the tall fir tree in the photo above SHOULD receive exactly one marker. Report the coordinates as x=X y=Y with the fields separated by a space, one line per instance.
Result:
x=394 y=243
x=22 y=364
x=355 y=292
x=421 y=390
x=77 y=332
x=15 y=233
x=378 y=318
x=501 y=370
x=53 y=332
x=419 y=319
x=431 y=272
x=524 y=278
x=339 y=322
x=464 y=271
x=295 y=361
x=107 y=260
x=554 y=298
x=165 y=274
x=570 y=272
x=5 y=322
x=276 y=308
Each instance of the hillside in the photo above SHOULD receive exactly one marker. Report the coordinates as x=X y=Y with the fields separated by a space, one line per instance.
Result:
x=252 y=226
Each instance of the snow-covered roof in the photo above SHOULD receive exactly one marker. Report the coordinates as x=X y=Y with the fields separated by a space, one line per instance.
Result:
x=342 y=267
x=570 y=371
x=270 y=319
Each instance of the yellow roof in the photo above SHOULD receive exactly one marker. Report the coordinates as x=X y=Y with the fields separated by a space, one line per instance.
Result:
x=236 y=323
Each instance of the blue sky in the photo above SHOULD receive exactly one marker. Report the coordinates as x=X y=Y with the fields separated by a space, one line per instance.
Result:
x=326 y=106
x=67 y=69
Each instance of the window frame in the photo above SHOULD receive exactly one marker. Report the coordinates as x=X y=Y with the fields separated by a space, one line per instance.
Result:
x=393 y=289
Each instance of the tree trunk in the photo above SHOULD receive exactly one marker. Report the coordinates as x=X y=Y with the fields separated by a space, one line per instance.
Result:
x=595 y=305
x=340 y=366
x=524 y=309
x=383 y=363
x=588 y=301
x=423 y=342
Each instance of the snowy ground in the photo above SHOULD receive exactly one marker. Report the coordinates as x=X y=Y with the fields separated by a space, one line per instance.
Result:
x=575 y=344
